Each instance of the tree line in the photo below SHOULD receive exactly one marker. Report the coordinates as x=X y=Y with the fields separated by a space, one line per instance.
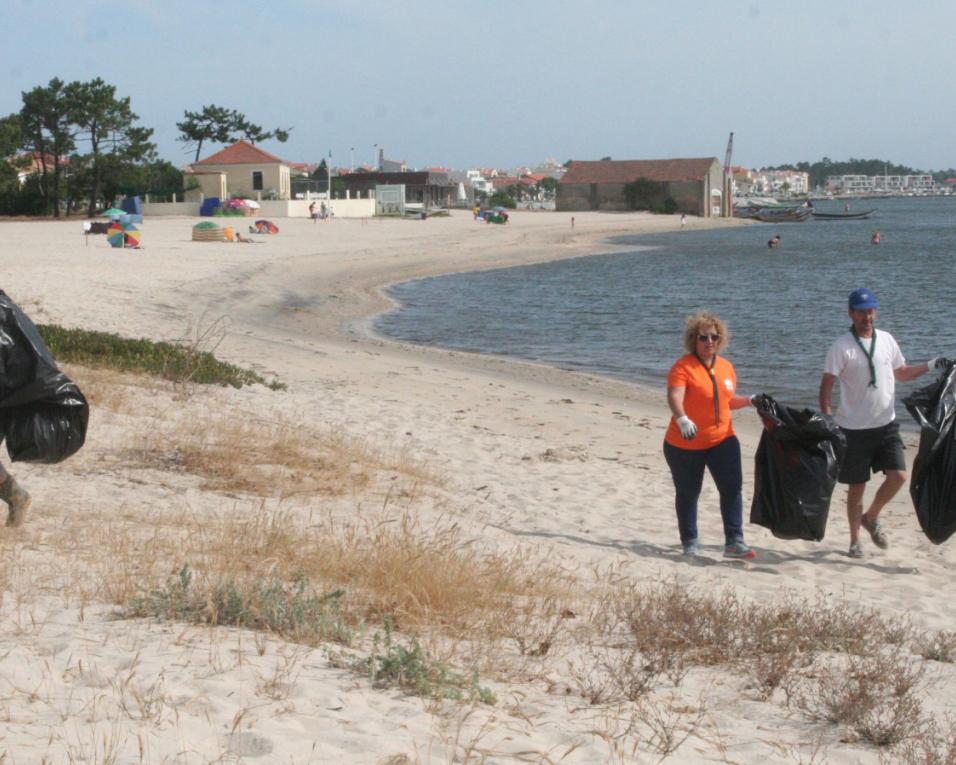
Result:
x=81 y=145
x=824 y=168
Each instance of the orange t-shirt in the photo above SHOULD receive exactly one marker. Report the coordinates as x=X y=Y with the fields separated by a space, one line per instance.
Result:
x=688 y=372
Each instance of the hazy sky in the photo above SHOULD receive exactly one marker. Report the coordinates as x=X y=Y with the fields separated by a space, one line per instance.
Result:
x=503 y=83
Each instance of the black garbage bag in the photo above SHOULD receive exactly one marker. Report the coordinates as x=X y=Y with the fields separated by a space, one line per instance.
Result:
x=933 y=484
x=43 y=414
x=797 y=463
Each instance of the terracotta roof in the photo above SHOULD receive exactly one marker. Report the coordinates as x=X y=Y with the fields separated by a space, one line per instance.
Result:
x=241 y=153
x=627 y=170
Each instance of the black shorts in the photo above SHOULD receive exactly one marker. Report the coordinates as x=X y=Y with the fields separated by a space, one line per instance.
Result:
x=871 y=450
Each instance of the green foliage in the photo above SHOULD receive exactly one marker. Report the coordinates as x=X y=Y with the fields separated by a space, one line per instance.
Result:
x=105 y=122
x=172 y=362
x=221 y=125
x=409 y=667
x=321 y=173
x=46 y=130
x=549 y=186
x=292 y=610
x=502 y=199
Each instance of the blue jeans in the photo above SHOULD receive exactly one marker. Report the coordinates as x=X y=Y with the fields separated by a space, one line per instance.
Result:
x=687 y=469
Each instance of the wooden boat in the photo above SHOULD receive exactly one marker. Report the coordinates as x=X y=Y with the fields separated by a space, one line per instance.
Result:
x=783 y=215
x=843 y=216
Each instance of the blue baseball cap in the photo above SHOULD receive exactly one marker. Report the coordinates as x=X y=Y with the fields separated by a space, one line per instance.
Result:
x=861 y=299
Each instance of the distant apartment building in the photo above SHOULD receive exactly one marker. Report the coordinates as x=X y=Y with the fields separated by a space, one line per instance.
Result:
x=891 y=184
x=881 y=184
x=919 y=184
x=781 y=183
x=849 y=184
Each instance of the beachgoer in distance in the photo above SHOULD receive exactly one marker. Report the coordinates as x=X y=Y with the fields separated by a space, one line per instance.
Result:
x=683 y=220
x=868 y=363
x=701 y=392
x=312 y=211
x=17 y=498
x=875 y=239
x=846 y=207
x=774 y=242
x=572 y=221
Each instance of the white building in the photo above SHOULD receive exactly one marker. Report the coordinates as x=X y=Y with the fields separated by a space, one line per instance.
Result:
x=919 y=184
x=479 y=183
x=781 y=183
x=881 y=184
x=850 y=184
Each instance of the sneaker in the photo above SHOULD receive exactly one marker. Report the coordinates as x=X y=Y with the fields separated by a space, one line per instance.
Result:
x=856 y=550
x=17 y=499
x=691 y=549
x=739 y=550
x=876 y=532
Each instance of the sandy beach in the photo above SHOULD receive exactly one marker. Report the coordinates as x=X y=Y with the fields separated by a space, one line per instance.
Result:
x=558 y=467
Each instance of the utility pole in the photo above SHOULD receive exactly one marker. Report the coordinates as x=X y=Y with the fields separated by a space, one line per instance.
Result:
x=352 y=160
x=728 y=178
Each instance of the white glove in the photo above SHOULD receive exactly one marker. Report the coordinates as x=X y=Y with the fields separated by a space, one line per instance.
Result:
x=937 y=362
x=687 y=427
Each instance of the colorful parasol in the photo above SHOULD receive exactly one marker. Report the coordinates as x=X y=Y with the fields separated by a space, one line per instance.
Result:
x=115 y=235
x=132 y=236
x=123 y=235
x=114 y=212
x=266 y=227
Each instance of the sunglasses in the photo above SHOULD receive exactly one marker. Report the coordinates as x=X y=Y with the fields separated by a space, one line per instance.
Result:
x=705 y=338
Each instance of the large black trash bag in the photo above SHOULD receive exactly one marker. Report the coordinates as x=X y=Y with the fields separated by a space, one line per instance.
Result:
x=933 y=485
x=797 y=463
x=43 y=413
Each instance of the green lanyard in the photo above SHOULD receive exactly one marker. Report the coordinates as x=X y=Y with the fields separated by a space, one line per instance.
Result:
x=868 y=354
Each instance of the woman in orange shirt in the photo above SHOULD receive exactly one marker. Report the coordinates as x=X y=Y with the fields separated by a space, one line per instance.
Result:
x=701 y=392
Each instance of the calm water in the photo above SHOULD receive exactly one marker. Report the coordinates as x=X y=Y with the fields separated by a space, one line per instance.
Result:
x=622 y=315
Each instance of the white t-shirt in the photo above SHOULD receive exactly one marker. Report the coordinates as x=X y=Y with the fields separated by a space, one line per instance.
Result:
x=862 y=406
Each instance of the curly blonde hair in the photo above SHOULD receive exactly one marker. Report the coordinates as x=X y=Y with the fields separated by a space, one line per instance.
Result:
x=692 y=325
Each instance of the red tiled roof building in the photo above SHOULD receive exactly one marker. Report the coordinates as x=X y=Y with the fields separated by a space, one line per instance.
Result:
x=696 y=184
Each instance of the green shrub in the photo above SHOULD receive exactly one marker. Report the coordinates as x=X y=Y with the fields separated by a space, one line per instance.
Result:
x=501 y=199
x=170 y=361
x=392 y=664
x=293 y=610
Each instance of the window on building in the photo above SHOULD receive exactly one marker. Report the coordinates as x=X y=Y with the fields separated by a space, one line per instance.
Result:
x=256 y=180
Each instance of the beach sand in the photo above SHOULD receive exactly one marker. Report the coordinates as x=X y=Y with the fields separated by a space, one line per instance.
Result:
x=567 y=466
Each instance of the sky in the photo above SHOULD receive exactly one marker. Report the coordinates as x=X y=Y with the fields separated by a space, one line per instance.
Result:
x=501 y=84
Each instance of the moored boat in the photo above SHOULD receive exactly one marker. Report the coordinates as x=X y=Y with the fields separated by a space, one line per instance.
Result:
x=843 y=216
x=783 y=215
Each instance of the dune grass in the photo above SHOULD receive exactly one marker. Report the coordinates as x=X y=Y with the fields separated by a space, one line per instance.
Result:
x=167 y=360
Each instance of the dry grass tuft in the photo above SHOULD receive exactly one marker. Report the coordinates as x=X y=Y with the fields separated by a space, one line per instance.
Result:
x=875 y=696
x=937 y=646
x=937 y=746
x=420 y=578
x=234 y=453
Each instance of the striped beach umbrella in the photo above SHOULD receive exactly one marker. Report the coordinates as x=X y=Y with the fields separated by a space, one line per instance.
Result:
x=115 y=235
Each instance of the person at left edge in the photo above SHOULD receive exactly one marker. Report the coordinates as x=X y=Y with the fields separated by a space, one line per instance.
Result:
x=701 y=392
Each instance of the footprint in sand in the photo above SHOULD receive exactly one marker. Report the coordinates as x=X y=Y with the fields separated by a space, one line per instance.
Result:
x=247 y=745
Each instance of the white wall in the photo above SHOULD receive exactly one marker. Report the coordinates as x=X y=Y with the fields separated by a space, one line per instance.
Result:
x=293 y=208
x=170 y=208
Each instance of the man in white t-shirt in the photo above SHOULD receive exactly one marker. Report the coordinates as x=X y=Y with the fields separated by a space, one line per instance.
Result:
x=868 y=363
